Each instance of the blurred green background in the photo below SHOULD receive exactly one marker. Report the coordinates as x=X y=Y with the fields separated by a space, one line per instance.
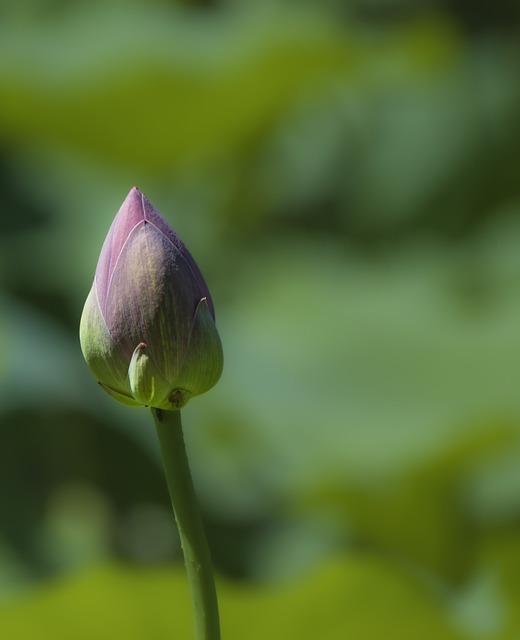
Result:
x=346 y=174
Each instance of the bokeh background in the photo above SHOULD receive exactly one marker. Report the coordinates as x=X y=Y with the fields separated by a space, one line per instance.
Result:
x=346 y=173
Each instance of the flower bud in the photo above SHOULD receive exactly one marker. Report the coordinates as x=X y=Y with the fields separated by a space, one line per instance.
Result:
x=148 y=329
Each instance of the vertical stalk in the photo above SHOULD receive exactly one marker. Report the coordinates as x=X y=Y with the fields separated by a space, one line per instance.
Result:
x=189 y=522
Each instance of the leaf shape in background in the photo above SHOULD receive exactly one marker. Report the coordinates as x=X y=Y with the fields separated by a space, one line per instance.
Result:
x=419 y=515
x=146 y=89
x=343 y=371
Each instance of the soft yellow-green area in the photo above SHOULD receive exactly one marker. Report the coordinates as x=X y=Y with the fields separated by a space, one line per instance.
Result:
x=362 y=598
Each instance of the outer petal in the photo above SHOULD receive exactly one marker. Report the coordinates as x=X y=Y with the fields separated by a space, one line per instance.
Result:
x=186 y=261
x=203 y=365
x=151 y=300
x=130 y=214
x=100 y=351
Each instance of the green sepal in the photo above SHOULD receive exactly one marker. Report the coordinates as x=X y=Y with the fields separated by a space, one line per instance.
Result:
x=147 y=384
x=104 y=359
x=119 y=396
x=202 y=366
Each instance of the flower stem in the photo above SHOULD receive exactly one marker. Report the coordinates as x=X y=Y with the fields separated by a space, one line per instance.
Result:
x=189 y=522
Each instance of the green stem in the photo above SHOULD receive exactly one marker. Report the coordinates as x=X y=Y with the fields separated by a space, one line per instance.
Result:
x=189 y=522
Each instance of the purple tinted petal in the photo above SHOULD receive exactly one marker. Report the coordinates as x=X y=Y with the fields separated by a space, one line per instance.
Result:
x=130 y=214
x=152 y=215
x=137 y=209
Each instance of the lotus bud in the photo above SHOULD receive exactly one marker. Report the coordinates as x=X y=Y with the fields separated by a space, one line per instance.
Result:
x=148 y=329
